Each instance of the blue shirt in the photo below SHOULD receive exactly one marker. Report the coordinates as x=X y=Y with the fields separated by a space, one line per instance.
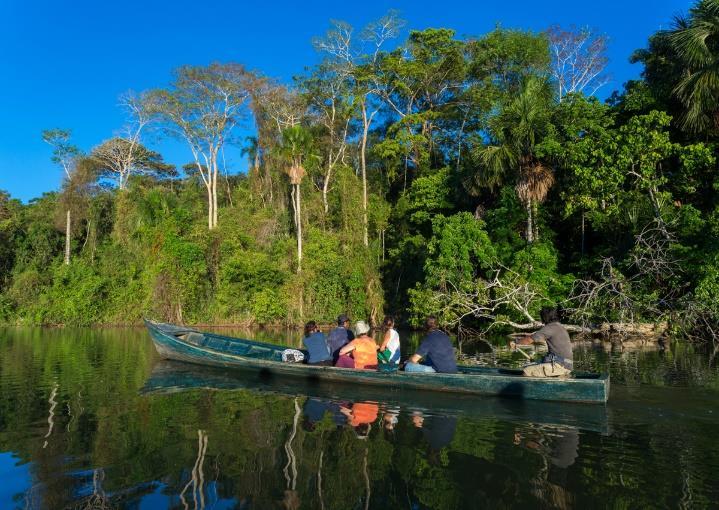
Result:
x=338 y=338
x=317 y=347
x=437 y=351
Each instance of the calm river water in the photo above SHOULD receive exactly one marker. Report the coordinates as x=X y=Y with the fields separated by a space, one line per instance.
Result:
x=93 y=419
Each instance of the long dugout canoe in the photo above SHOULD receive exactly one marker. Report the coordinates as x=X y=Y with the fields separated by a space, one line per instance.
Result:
x=189 y=345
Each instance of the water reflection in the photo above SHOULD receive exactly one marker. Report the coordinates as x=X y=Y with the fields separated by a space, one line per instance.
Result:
x=91 y=419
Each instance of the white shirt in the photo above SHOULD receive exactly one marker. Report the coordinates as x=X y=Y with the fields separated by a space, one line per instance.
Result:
x=393 y=346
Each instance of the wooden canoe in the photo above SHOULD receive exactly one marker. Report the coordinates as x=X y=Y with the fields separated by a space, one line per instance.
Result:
x=189 y=345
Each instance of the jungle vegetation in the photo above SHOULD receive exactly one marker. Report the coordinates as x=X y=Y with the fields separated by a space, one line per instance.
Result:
x=409 y=172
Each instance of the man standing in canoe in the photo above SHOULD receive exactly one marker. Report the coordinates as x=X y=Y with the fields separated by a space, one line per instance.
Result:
x=435 y=352
x=340 y=336
x=559 y=362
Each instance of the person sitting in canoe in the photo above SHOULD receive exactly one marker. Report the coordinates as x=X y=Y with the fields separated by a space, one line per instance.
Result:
x=435 y=352
x=389 y=348
x=559 y=362
x=316 y=344
x=340 y=336
x=363 y=350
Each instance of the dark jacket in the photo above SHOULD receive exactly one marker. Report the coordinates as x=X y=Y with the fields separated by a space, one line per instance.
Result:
x=338 y=338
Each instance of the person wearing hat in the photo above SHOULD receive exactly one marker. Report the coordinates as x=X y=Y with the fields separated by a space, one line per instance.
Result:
x=340 y=336
x=363 y=349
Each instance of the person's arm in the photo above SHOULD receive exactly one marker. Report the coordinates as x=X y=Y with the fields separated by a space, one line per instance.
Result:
x=385 y=340
x=537 y=337
x=421 y=352
x=348 y=348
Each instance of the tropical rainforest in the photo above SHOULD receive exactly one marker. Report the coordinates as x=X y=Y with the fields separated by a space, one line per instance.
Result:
x=408 y=172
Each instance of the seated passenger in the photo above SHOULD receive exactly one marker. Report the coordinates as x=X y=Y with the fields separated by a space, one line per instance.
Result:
x=389 y=348
x=316 y=344
x=340 y=336
x=363 y=350
x=435 y=351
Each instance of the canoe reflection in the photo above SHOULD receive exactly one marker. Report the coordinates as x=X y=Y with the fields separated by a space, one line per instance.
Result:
x=170 y=377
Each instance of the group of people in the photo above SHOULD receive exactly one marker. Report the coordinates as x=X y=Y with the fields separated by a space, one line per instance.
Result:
x=356 y=348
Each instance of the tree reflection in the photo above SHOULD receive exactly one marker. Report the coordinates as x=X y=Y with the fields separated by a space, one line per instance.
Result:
x=70 y=406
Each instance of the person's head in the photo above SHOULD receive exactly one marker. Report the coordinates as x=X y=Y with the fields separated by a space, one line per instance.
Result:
x=362 y=430
x=390 y=420
x=310 y=327
x=343 y=320
x=549 y=314
x=430 y=323
x=388 y=322
x=361 y=328
x=308 y=425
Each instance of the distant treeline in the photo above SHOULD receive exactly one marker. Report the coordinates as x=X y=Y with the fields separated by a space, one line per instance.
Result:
x=409 y=172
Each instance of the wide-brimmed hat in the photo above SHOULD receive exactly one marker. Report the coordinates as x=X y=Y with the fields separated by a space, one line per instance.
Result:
x=361 y=328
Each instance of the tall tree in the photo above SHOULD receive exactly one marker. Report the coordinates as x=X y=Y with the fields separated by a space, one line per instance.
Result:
x=416 y=83
x=696 y=41
x=352 y=87
x=329 y=103
x=512 y=155
x=274 y=108
x=64 y=154
x=118 y=158
x=579 y=60
x=376 y=34
x=296 y=149
x=203 y=106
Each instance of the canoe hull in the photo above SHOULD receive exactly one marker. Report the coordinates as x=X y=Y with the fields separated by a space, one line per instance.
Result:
x=476 y=381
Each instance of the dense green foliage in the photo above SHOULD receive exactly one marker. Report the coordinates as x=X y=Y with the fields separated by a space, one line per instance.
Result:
x=443 y=176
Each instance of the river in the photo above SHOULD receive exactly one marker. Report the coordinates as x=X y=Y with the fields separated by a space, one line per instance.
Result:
x=91 y=418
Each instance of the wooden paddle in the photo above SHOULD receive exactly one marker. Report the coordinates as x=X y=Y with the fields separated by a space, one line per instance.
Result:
x=523 y=353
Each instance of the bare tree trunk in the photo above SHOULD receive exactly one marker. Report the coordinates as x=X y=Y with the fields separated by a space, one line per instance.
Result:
x=583 y=231
x=363 y=162
x=535 y=212
x=325 y=189
x=530 y=227
x=299 y=228
x=208 y=185
x=67 y=238
x=214 y=195
x=293 y=200
x=382 y=245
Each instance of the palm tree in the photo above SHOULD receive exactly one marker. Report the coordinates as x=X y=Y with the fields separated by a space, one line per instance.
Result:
x=296 y=149
x=696 y=42
x=511 y=153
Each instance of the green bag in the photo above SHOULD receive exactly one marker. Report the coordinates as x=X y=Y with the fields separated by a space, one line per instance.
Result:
x=383 y=356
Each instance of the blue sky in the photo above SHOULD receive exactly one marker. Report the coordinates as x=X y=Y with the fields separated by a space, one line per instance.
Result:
x=64 y=64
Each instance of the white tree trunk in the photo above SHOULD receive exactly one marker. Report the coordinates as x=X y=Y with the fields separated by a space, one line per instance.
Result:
x=67 y=238
x=298 y=211
x=530 y=227
x=293 y=200
x=363 y=163
x=214 y=199
x=325 y=189
x=364 y=186
x=209 y=205
x=214 y=171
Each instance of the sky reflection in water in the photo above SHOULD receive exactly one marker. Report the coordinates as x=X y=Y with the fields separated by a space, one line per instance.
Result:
x=92 y=419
